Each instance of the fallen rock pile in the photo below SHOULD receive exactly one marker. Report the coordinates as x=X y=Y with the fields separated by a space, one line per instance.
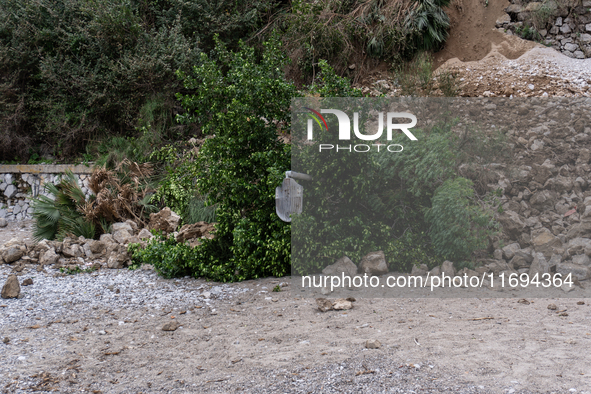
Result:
x=110 y=251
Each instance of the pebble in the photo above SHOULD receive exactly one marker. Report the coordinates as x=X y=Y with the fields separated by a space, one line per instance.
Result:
x=372 y=344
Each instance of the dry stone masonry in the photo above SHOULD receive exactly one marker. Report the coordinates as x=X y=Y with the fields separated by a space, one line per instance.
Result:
x=564 y=26
x=19 y=183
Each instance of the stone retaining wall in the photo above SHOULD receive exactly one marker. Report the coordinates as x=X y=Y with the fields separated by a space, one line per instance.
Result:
x=564 y=25
x=20 y=182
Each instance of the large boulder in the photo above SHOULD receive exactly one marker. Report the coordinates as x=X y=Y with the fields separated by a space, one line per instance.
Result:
x=344 y=265
x=166 y=221
x=512 y=224
x=374 y=263
x=11 y=288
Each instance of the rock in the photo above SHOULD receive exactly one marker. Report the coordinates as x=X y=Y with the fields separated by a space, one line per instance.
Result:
x=521 y=259
x=567 y=288
x=27 y=282
x=122 y=236
x=447 y=269
x=582 y=259
x=503 y=20
x=539 y=266
x=171 y=326
x=344 y=265
x=121 y=226
x=97 y=247
x=10 y=191
x=195 y=230
x=579 y=230
x=145 y=234
x=12 y=254
x=552 y=307
x=3 y=222
x=436 y=271
x=543 y=200
x=166 y=220
x=498 y=254
x=5 y=340
x=544 y=241
x=11 y=288
x=579 y=272
x=117 y=256
x=342 y=304
x=372 y=344
x=577 y=246
x=419 y=270
x=509 y=251
x=106 y=239
x=325 y=305
x=48 y=257
x=133 y=225
x=512 y=224
x=374 y=263
x=72 y=250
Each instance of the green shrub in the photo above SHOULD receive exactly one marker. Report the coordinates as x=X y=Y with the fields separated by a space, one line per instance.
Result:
x=242 y=99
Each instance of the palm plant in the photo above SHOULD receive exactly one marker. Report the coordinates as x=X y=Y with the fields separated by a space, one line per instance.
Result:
x=61 y=216
x=428 y=24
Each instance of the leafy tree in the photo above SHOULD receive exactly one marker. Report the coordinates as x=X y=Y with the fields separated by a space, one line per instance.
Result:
x=242 y=100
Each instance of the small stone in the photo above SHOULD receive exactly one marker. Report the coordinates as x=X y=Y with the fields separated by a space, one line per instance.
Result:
x=11 y=288
x=27 y=282
x=3 y=222
x=325 y=290
x=342 y=304
x=6 y=340
x=567 y=288
x=372 y=344
x=324 y=305
x=171 y=326
x=552 y=307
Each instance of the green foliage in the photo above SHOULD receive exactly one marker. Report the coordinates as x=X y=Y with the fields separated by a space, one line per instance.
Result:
x=528 y=33
x=72 y=71
x=397 y=203
x=329 y=84
x=169 y=258
x=177 y=187
x=459 y=225
x=197 y=211
x=277 y=289
x=428 y=24
x=241 y=99
x=58 y=217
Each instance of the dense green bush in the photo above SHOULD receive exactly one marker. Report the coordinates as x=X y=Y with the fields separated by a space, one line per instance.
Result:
x=241 y=99
x=74 y=72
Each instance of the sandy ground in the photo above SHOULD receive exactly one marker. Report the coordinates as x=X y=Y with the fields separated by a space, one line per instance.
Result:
x=264 y=341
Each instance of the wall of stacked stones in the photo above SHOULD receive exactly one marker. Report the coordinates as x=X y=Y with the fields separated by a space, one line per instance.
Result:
x=20 y=183
x=564 y=25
